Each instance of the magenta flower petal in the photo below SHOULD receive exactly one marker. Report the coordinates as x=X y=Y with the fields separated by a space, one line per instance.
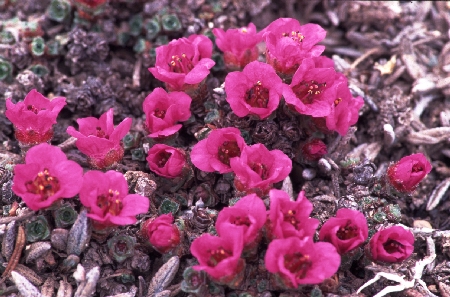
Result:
x=407 y=173
x=347 y=231
x=249 y=213
x=288 y=44
x=257 y=169
x=46 y=177
x=392 y=245
x=34 y=117
x=345 y=108
x=166 y=161
x=218 y=148
x=256 y=90
x=312 y=90
x=162 y=233
x=300 y=261
x=219 y=256
x=238 y=45
x=290 y=218
x=184 y=61
x=106 y=197
x=99 y=140
x=163 y=110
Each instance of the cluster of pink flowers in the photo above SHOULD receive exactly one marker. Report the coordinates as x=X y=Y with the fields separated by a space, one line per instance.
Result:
x=256 y=168
x=292 y=255
x=47 y=176
x=292 y=56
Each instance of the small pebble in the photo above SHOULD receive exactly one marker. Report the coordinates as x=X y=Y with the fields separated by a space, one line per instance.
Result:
x=422 y=224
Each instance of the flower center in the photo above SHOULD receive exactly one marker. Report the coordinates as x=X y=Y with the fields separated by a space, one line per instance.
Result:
x=337 y=101
x=417 y=168
x=159 y=113
x=181 y=65
x=100 y=133
x=347 y=232
x=33 y=108
x=110 y=203
x=295 y=35
x=44 y=184
x=257 y=96
x=290 y=218
x=228 y=150
x=163 y=157
x=298 y=264
x=308 y=91
x=239 y=221
x=217 y=256
x=260 y=169
x=392 y=246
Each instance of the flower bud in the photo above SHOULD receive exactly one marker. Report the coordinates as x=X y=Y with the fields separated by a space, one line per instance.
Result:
x=313 y=150
x=407 y=173
x=162 y=233
x=194 y=282
x=121 y=247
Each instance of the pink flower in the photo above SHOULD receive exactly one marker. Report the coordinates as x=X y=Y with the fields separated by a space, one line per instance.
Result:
x=345 y=108
x=290 y=218
x=311 y=91
x=257 y=169
x=347 y=231
x=34 y=117
x=99 y=140
x=106 y=196
x=249 y=213
x=46 y=177
x=184 y=61
x=256 y=90
x=166 y=161
x=220 y=257
x=392 y=245
x=300 y=261
x=163 y=110
x=238 y=45
x=288 y=44
x=314 y=149
x=215 y=152
x=407 y=173
x=162 y=233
